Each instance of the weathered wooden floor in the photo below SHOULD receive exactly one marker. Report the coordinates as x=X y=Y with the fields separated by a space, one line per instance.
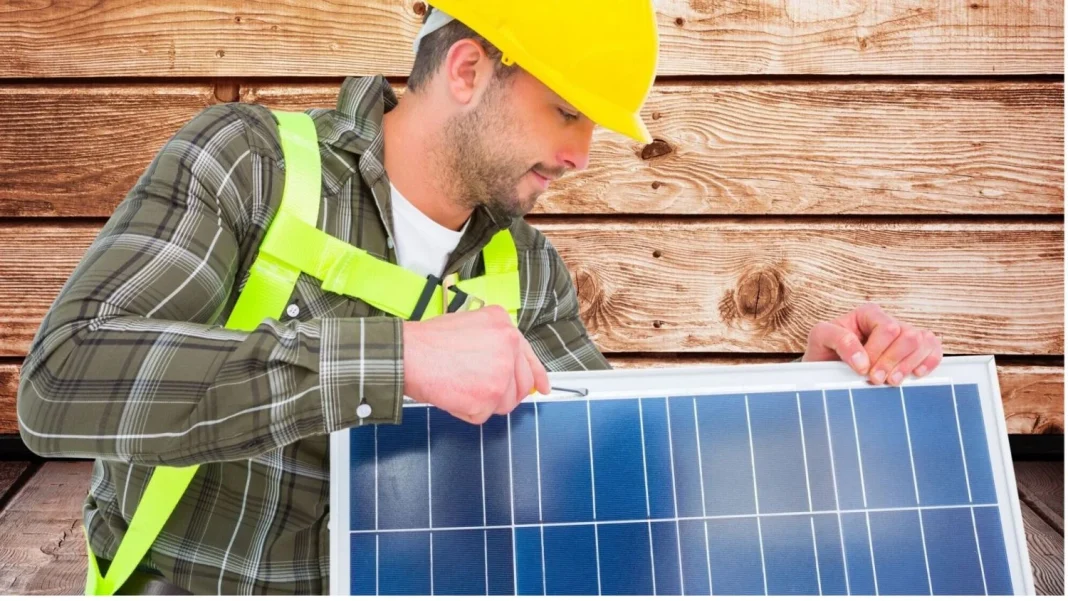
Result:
x=42 y=549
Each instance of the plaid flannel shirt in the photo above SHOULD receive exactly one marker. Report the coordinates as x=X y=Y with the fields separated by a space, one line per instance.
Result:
x=132 y=366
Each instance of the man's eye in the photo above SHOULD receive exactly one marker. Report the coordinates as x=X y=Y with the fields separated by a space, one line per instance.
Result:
x=568 y=116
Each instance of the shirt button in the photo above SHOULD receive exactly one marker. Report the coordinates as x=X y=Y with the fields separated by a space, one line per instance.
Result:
x=363 y=411
x=293 y=310
x=389 y=242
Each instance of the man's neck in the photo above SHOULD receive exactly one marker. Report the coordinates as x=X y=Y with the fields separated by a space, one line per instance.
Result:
x=410 y=164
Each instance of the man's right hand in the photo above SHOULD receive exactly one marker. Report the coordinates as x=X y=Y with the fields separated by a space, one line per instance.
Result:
x=472 y=364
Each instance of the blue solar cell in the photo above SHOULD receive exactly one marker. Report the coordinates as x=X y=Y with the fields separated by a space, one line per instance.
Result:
x=657 y=458
x=936 y=445
x=873 y=490
x=455 y=455
x=735 y=557
x=830 y=554
x=626 y=563
x=884 y=449
x=790 y=555
x=667 y=571
x=728 y=469
x=459 y=562
x=571 y=566
x=953 y=552
x=900 y=564
x=617 y=460
x=780 y=467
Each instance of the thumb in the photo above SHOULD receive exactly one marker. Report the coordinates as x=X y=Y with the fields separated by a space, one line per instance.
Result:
x=829 y=341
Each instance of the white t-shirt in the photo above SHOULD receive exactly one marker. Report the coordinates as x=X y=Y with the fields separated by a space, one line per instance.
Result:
x=422 y=244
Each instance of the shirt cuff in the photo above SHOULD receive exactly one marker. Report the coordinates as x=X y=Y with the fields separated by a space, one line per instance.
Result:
x=361 y=371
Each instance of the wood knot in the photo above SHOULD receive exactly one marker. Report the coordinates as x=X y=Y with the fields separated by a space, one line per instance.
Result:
x=657 y=254
x=591 y=297
x=657 y=148
x=419 y=8
x=657 y=323
x=237 y=19
x=761 y=298
x=220 y=53
x=680 y=21
x=656 y=185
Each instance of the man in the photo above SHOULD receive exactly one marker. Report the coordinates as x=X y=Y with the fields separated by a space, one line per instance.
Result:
x=133 y=368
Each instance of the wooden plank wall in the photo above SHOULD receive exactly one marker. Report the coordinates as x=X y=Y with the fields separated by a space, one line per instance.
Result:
x=809 y=156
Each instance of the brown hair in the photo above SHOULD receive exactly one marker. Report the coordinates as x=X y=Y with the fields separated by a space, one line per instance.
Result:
x=434 y=47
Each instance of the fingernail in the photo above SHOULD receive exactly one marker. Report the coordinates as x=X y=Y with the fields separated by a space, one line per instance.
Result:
x=921 y=371
x=895 y=378
x=879 y=375
x=860 y=360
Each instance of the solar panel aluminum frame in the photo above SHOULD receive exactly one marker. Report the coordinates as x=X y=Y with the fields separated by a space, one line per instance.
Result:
x=979 y=370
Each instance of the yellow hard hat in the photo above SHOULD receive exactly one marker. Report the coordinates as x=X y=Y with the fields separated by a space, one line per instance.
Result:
x=599 y=55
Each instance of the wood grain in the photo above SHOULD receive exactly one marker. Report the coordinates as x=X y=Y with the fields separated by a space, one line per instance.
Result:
x=77 y=150
x=759 y=286
x=1041 y=486
x=722 y=286
x=794 y=148
x=10 y=473
x=1046 y=550
x=225 y=38
x=42 y=541
x=978 y=147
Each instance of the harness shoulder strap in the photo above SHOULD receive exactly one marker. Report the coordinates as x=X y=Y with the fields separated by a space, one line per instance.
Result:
x=269 y=286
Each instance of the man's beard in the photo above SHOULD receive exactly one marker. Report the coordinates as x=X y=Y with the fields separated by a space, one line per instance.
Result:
x=485 y=175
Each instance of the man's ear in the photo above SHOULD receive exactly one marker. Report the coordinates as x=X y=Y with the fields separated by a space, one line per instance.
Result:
x=467 y=70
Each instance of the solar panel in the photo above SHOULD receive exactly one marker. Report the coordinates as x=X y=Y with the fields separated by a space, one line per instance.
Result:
x=768 y=479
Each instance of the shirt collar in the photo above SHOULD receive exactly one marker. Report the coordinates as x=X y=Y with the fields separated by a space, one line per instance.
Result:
x=356 y=127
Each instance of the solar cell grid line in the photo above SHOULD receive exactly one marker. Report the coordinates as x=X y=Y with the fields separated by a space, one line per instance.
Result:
x=485 y=533
x=704 y=506
x=648 y=512
x=756 y=495
x=834 y=481
x=511 y=505
x=968 y=483
x=593 y=492
x=430 y=499
x=916 y=489
x=808 y=491
x=541 y=528
x=864 y=491
x=376 y=503
x=674 y=494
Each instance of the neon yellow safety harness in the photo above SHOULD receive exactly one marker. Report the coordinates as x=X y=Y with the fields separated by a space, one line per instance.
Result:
x=293 y=245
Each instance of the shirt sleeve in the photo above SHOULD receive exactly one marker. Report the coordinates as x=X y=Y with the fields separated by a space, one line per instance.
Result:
x=558 y=335
x=132 y=363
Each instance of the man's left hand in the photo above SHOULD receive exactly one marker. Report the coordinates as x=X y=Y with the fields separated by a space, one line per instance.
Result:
x=876 y=345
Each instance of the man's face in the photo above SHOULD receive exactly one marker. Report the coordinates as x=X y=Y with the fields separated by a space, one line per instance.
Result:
x=506 y=150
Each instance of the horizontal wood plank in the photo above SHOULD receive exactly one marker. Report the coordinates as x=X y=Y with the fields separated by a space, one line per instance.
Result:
x=1041 y=486
x=10 y=471
x=1045 y=481
x=225 y=38
x=813 y=148
x=78 y=150
x=748 y=286
x=1045 y=547
x=888 y=148
x=721 y=286
x=42 y=541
